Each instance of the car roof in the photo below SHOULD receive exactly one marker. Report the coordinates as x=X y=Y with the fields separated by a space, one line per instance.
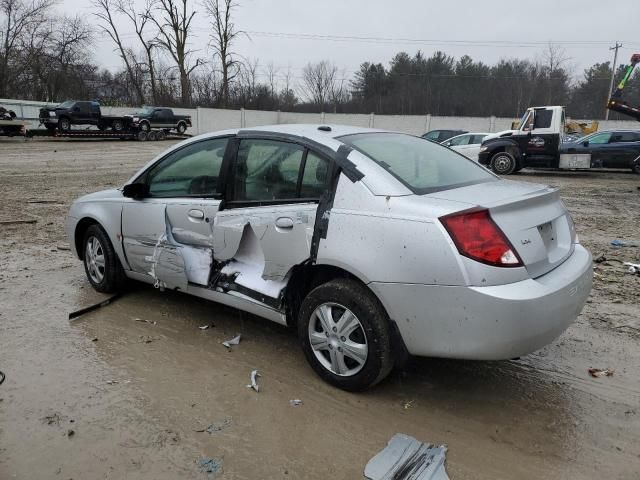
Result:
x=313 y=131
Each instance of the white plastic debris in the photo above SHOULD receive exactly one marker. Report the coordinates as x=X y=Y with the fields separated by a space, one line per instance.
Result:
x=254 y=381
x=295 y=403
x=233 y=341
x=206 y=327
x=405 y=458
x=634 y=268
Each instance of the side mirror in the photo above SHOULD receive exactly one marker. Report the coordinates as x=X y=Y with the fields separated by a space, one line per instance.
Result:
x=585 y=143
x=137 y=191
x=447 y=144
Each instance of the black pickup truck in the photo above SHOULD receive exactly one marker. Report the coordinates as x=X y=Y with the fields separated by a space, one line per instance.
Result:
x=72 y=112
x=161 y=118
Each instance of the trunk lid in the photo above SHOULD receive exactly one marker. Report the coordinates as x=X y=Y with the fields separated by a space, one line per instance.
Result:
x=532 y=216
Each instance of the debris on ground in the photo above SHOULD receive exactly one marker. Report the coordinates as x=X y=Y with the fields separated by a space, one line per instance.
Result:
x=2 y=377
x=53 y=419
x=601 y=372
x=206 y=327
x=143 y=320
x=94 y=339
x=18 y=222
x=405 y=458
x=407 y=405
x=64 y=248
x=600 y=259
x=146 y=339
x=210 y=465
x=233 y=341
x=295 y=403
x=70 y=433
x=634 y=268
x=216 y=427
x=254 y=381
x=93 y=307
x=624 y=243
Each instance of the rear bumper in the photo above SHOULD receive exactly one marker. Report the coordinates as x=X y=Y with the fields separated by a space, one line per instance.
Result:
x=489 y=323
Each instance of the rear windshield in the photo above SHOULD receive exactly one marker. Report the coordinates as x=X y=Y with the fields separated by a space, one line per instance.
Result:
x=421 y=165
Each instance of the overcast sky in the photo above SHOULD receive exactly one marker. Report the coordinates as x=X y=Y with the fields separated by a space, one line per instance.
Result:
x=487 y=30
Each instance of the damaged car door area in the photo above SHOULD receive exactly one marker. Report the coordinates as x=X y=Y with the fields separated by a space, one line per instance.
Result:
x=229 y=215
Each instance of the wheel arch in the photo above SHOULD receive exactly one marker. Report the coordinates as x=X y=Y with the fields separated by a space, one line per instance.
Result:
x=109 y=219
x=307 y=276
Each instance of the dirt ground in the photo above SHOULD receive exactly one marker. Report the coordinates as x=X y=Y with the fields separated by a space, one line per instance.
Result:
x=122 y=392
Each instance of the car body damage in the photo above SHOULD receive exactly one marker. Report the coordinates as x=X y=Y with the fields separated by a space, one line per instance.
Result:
x=249 y=251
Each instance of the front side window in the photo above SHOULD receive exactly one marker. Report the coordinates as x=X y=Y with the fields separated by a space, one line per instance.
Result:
x=477 y=139
x=192 y=171
x=543 y=119
x=267 y=170
x=600 y=138
x=424 y=167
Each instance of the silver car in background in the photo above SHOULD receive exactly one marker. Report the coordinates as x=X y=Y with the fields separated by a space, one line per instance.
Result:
x=371 y=244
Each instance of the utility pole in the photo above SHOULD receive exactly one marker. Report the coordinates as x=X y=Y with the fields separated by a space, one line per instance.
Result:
x=613 y=76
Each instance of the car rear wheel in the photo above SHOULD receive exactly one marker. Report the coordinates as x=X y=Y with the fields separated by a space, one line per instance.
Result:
x=345 y=335
x=181 y=128
x=101 y=262
x=64 y=125
x=117 y=126
x=636 y=166
x=503 y=163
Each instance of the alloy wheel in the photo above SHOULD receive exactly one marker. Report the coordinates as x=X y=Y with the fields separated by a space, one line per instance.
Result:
x=338 y=339
x=94 y=259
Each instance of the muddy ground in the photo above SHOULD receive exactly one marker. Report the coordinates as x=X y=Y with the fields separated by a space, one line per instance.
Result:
x=122 y=392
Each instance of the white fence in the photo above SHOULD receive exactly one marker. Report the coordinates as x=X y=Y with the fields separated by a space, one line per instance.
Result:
x=212 y=119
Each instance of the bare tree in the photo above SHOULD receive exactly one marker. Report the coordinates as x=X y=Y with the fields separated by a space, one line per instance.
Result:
x=20 y=16
x=140 y=21
x=174 y=26
x=222 y=37
x=106 y=11
x=271 y=73
x=554 y=59
x=319 y=82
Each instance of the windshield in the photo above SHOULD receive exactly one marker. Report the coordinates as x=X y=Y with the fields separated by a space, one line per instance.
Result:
x=145 y=111
x=67 y=104
x=423 y=166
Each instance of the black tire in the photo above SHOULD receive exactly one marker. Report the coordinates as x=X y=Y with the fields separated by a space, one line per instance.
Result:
x=142 y=136
x=373 y=329
x=110 y=277
x=144 y=126
x=152 y=136
x=101 y=126
x=181 y=128
x=161 y=135
x=117 y=126
x=636 y=166
x=503 y=163
x=64 y=124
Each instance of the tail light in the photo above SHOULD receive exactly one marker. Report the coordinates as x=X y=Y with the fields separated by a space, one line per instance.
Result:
x=477 y=237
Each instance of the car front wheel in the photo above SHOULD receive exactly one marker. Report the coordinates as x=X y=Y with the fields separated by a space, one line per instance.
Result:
x=101 y=262
x=64 y=125
x=181 y=128
x=345 y=335
x=636 y=166
x=503 y=163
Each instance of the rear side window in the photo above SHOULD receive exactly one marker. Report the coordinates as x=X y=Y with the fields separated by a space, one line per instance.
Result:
x=267 y=170
x=462 y=140
x=424 y=167
x=433 y=135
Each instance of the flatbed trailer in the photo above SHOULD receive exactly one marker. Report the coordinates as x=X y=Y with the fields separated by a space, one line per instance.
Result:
x=108 y=135
x=13 y=128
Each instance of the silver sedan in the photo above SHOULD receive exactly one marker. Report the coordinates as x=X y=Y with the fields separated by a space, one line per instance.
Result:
x=370 y=244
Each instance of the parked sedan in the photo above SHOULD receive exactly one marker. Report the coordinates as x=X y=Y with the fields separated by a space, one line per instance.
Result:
x=440 y=136
x=468 y=144
x=609 y=149
x=370 y=244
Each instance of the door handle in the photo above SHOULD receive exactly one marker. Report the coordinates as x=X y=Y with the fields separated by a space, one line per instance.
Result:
x=196 y=214
x=284 y=222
